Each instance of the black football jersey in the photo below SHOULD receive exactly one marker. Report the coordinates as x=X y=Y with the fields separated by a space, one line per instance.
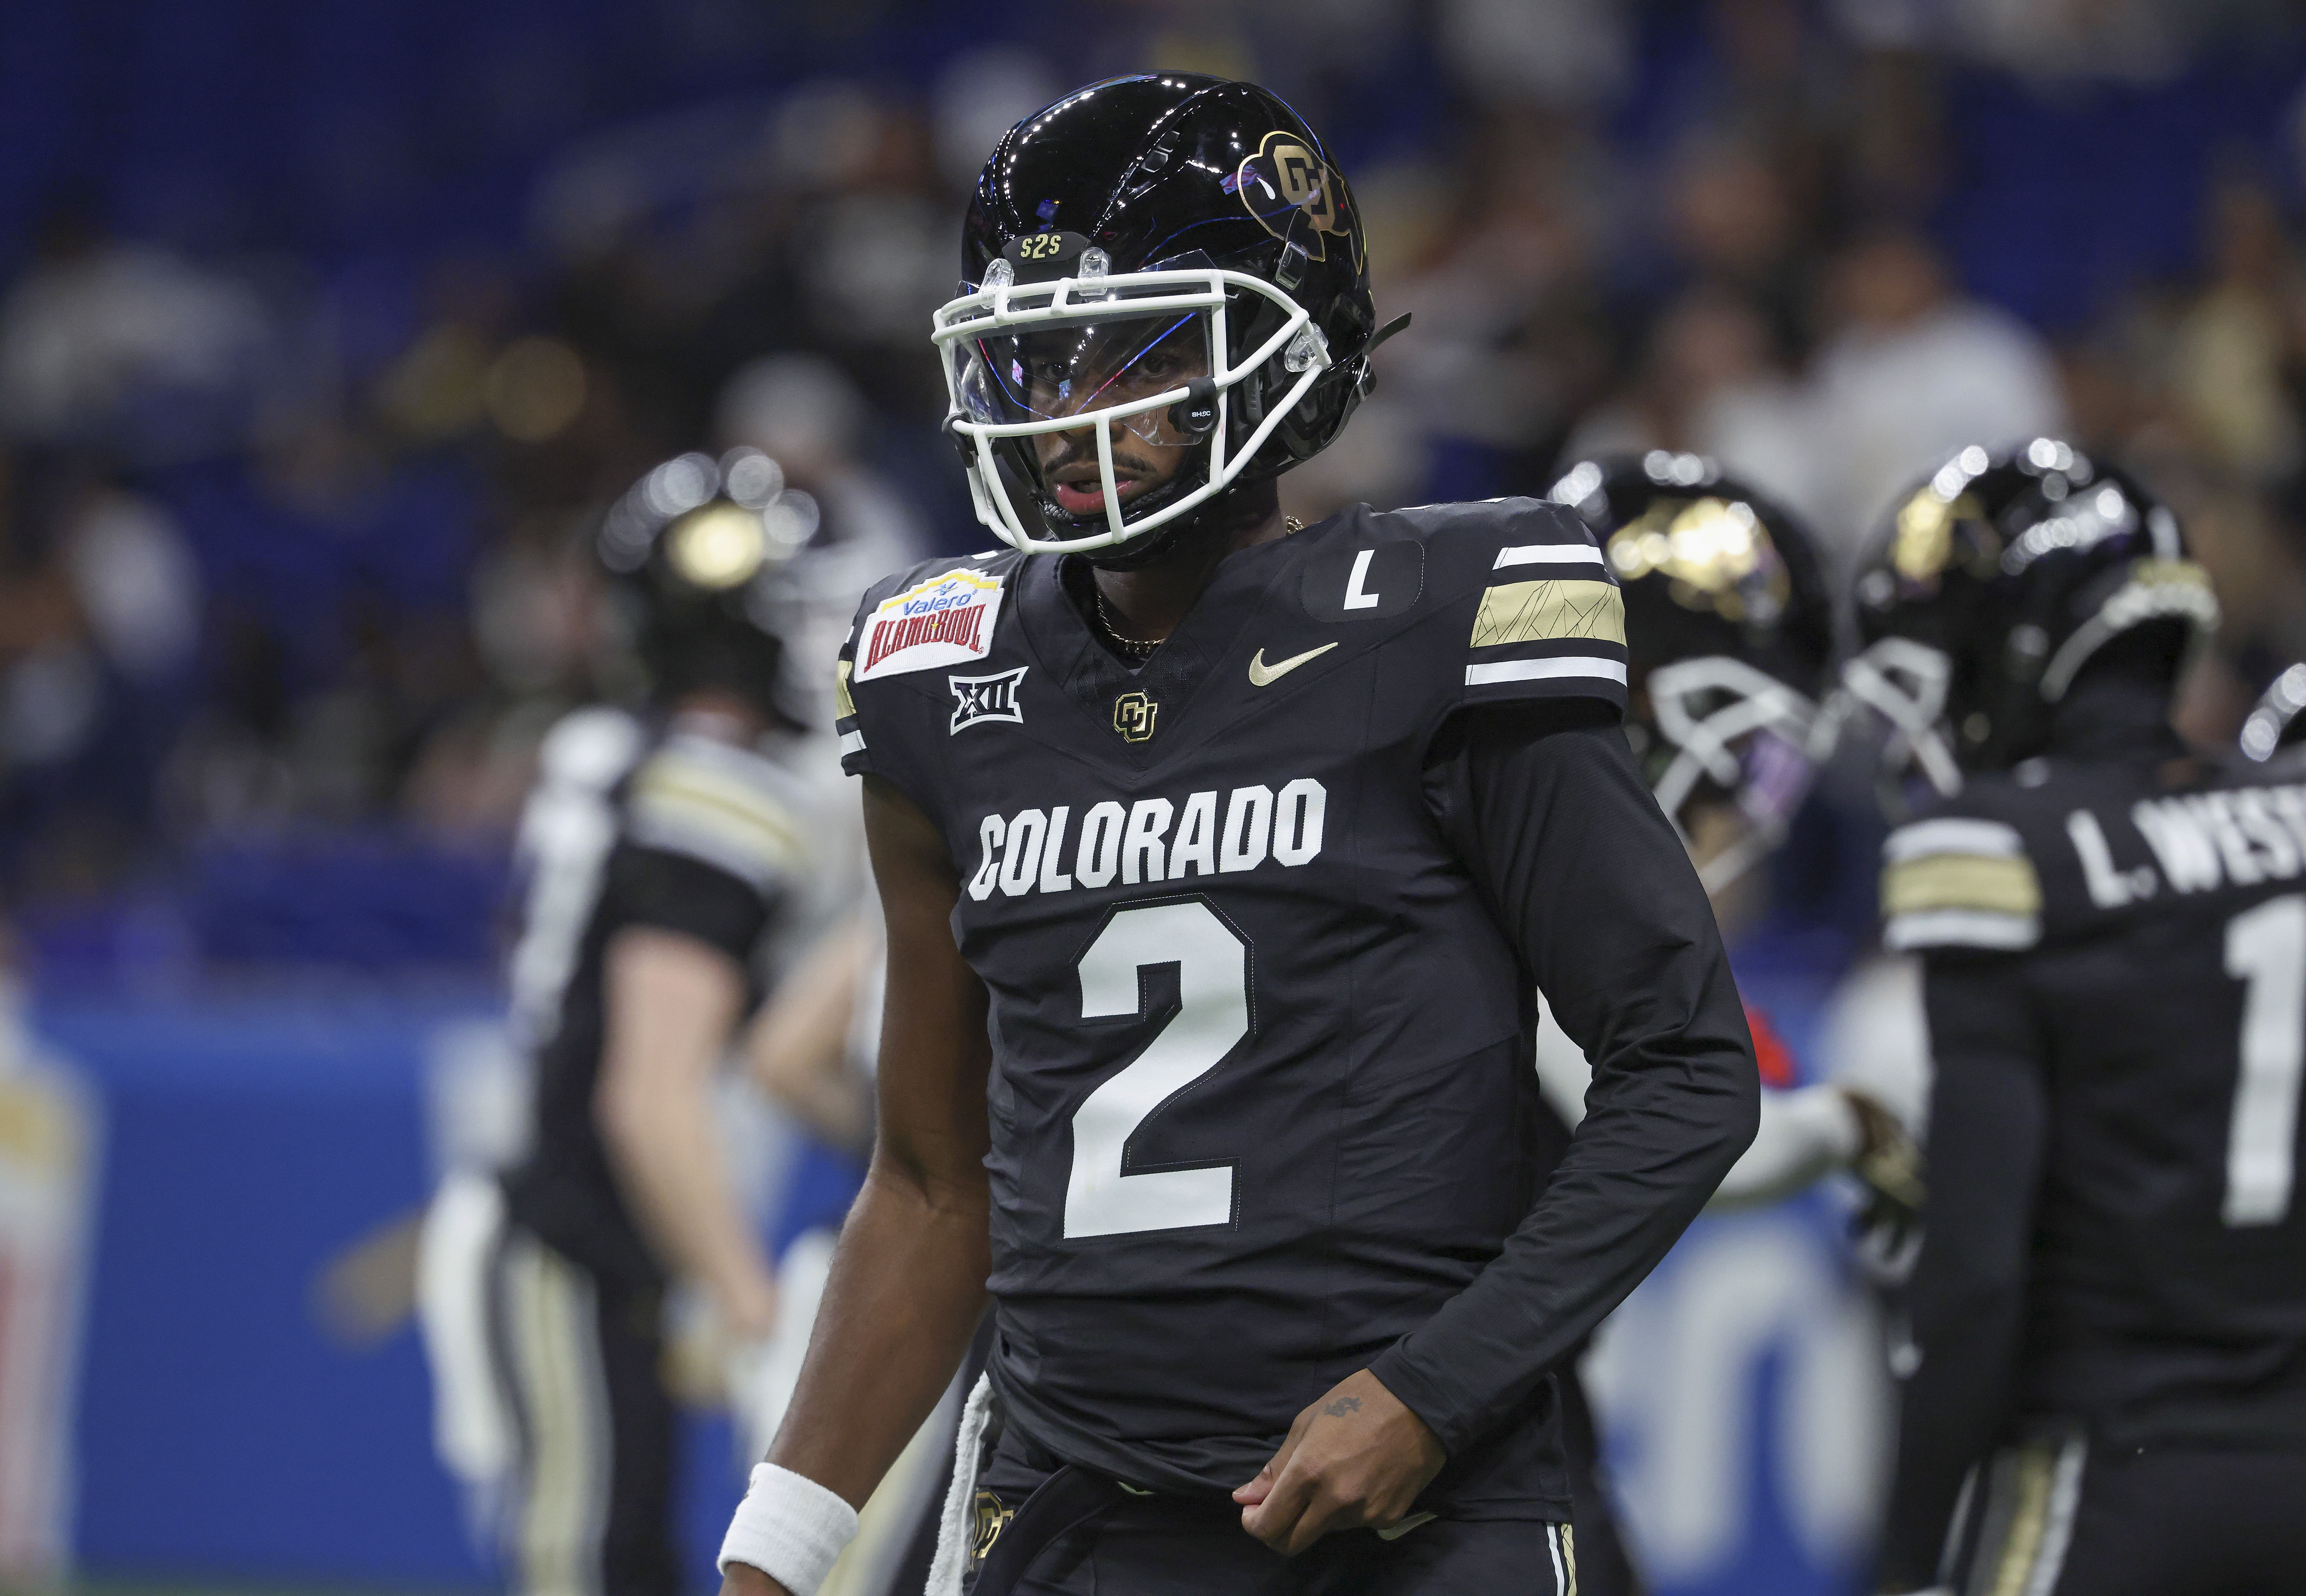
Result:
x=2158 y=936
x=627 y=827
x=1262 y=1098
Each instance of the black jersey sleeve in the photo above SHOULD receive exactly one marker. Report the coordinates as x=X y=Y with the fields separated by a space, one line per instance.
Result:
x=671 y=891
x=858 y=755
x=1598 y=899
x=1989 y=1117
x=712 y=835
x=1960 y=879
x=892 y=694
x=1537 y=609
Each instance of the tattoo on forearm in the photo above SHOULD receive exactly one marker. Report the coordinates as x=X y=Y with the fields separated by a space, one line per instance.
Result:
x=1343 y=1405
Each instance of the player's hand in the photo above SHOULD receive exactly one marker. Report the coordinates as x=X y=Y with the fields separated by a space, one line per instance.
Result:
x=1890 y=1161
x=743 y=1579
x=1888 y=1228
x=748 y=1307
x=1356 y=1457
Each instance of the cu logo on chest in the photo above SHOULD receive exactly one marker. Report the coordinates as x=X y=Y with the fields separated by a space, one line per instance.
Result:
x=1132 y=717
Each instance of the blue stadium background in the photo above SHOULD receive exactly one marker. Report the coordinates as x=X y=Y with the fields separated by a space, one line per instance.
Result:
x=262 y=876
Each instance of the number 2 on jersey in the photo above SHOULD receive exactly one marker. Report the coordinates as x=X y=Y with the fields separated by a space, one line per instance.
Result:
x=1212 y=1018
x=2266 y=947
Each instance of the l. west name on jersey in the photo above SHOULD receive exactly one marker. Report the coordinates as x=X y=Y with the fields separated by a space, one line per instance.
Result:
x=2161 y=933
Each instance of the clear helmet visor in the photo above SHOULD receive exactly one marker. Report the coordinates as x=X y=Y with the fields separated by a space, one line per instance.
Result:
x=1083 y=369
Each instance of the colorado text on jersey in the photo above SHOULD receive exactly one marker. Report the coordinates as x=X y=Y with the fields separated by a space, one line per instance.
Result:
x=1026 y=852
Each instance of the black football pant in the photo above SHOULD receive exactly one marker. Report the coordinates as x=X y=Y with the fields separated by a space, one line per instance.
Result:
x=2080 y=1517
x=579 y=1360
x=1118 y=1544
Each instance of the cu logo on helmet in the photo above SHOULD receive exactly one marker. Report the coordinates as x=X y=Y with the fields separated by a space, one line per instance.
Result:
x=1284 y=176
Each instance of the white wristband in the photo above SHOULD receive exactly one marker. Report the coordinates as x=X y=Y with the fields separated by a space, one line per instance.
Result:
x=789 y=1527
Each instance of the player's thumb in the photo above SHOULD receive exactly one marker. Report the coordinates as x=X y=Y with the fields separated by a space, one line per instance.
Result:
x=1257 y=1489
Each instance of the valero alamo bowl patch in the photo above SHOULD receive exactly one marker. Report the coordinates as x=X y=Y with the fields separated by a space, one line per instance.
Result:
x=945 y=621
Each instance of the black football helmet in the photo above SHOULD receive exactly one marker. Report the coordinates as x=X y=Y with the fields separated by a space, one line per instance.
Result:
x=1996 y=579
x=1728 y=641
x=1167 y=259
x=696 y=547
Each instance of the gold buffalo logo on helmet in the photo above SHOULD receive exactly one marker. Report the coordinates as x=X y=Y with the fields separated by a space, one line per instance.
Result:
x=1285 y=174
x=1714 y=553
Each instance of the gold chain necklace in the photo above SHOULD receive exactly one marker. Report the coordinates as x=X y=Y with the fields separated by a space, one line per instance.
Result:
x=1143 y=648
x=1135 y=648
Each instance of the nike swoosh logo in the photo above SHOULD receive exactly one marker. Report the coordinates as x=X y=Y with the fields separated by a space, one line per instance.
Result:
x=1262 y=675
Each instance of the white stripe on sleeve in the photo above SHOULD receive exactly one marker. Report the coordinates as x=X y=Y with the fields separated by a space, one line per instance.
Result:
x=1990 y=838
x=1611 y=670
x=1547 y=554
x=1961 y=928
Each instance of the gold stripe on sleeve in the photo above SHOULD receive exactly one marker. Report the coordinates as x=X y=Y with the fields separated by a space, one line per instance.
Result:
x=1549 y=611
x=1961 y=881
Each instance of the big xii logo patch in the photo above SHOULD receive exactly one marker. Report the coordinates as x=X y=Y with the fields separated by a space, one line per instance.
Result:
x=977 y=699
x=945 y=621
x=1132 y=717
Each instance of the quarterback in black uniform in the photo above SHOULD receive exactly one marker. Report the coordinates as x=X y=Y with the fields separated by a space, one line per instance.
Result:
x=1219 y=859
x=2110 y=1306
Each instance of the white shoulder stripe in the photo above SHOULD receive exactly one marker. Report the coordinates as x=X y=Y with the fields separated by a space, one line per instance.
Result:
x=1961 y=928
x=720 y=805
x=1990 y=838
x=1499 y=671
x=1547 y=554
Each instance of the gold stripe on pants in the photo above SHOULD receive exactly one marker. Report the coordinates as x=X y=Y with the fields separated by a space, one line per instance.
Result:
x=551 y=1320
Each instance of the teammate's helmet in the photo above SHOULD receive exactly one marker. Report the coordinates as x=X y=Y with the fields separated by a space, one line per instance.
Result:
x=1167 y=258
x=2275 y=723
x=1996 y=579
x=1729 y=640
x=696 y=546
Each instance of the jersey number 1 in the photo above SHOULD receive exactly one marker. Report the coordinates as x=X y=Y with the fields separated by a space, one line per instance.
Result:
x=1102 y=1198
x=2266 y=947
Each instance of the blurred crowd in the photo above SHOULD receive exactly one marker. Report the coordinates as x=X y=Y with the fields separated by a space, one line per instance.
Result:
x=299 y=509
